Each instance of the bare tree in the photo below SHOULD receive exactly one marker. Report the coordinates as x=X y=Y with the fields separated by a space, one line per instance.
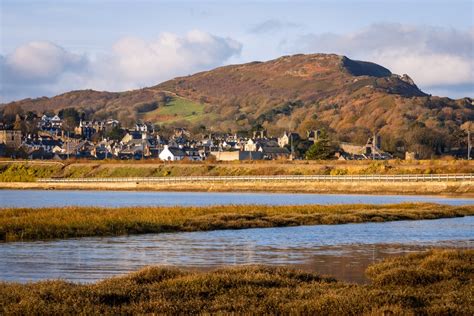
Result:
x=468 y=127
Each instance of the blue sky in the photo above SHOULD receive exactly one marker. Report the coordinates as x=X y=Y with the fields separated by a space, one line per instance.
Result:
x=50 y=47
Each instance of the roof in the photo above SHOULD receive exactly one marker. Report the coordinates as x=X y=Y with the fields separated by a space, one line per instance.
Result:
x=43 y=142
x=275 y=150
x=176 y=151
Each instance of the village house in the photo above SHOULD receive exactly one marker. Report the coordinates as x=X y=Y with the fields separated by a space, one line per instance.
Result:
x=237 y=155
x=47 y=144
x=88 y=128
x=275 y=153
x=76 y=149
x=193 y=154
x=371 y=150
x=171 y=154
x=11 y=138
x=51 y=121
x=250 y=145
x=103 y=149
x=144 y=127
x=288 y=138
x=230 y=145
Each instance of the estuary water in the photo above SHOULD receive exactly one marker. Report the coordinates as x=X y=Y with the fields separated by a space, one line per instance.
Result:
x=342 y=251
x=52 y=198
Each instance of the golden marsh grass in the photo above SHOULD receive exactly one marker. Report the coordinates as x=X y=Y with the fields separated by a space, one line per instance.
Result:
x=437 y=282
x=70 y=222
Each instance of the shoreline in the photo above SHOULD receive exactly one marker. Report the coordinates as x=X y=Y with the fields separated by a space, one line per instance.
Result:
x=449 y=189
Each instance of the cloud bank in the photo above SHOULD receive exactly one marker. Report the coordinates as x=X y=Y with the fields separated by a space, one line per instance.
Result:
x=44 y=68
x=37 y=67
x=436 y=58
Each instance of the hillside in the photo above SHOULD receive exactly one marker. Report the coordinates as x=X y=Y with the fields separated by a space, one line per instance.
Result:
x=352 y=99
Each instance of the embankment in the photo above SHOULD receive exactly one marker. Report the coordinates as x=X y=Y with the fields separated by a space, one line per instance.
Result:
x=26 y=171
x=25 y=174
x=447 y=188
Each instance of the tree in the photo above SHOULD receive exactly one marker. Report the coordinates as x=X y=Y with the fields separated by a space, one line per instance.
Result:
x=162 y=98
x=19 y=124
x=115 y=133
x=10 y=113
x=321 y=149
x=70 y=113
x=69 y=123
x=425 y=141
x=468 y=127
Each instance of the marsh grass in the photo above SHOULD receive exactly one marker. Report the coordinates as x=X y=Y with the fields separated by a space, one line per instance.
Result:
x=69 y=222
x=437 y=282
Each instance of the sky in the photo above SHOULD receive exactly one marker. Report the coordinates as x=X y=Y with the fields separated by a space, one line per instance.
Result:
x=51 y=47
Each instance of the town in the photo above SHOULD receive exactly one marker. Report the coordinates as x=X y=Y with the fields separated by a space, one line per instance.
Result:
x=65 y=136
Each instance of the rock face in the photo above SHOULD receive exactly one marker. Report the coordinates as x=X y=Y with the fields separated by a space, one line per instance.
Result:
x=364 y=68
x=408 y=80
x=351 y=99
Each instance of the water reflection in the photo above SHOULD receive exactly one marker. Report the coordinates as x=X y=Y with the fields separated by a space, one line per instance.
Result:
x=343 y=251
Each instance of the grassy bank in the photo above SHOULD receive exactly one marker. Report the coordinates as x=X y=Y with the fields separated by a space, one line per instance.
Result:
x=438 y=282
x=464 y=188
x=30 y=171
x=48 y=223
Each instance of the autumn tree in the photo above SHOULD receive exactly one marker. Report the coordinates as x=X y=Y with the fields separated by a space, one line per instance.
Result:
x=10 y=113
x=19 y=124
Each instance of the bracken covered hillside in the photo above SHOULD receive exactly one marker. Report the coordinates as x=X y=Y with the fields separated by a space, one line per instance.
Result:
x=351 y=99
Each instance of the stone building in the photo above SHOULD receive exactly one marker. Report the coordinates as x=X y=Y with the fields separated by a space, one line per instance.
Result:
x=11 y=138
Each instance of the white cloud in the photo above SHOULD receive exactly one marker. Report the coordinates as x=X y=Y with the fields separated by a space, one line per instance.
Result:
x=39 y=68
x=134 y=60
x=43 y=68
x=40 y=62
x=432 y=56
x=429 y=69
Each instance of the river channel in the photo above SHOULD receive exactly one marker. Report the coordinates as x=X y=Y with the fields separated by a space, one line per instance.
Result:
x=342 y=251
x=48 y=198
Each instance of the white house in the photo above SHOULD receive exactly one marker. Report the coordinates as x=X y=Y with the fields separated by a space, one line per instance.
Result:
x=251 y=145
x=56 y=121
x=171 y=154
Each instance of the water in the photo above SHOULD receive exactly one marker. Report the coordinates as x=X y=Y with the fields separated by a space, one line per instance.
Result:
x=343 y=251
x=43 y=198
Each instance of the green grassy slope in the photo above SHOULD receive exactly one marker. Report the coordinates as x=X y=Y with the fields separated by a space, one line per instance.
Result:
x=177 y=109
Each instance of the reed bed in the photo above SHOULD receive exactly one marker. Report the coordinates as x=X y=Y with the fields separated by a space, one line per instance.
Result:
x=70 y=222
x=437 y=282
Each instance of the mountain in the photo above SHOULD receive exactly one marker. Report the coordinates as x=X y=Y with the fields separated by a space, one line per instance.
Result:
x=351 y=99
